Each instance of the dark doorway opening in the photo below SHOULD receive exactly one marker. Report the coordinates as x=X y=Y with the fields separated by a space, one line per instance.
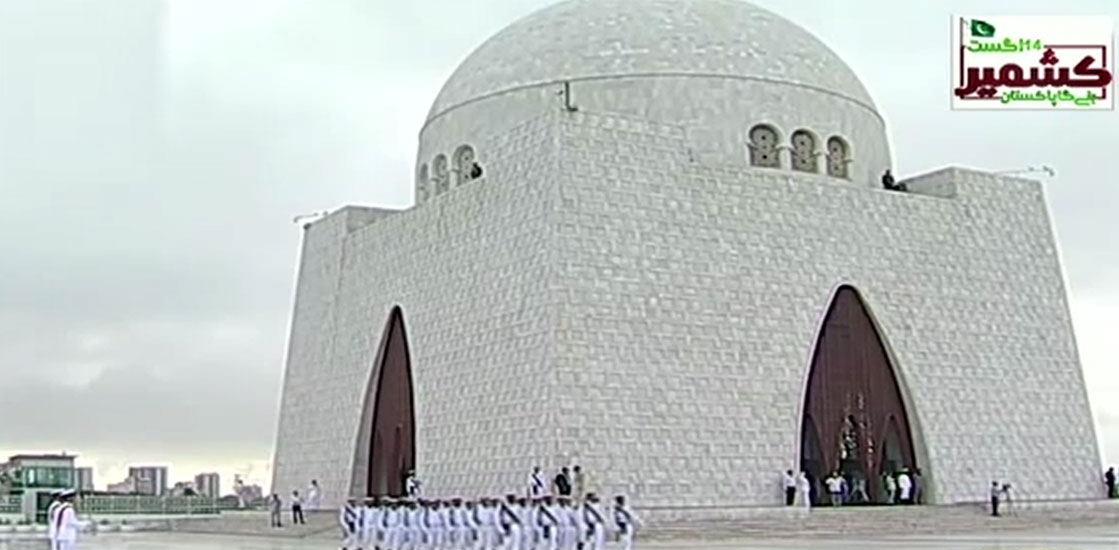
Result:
x=855 y=423
x=392 y=445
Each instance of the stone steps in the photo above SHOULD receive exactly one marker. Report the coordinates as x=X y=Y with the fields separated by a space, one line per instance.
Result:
x=883 y=520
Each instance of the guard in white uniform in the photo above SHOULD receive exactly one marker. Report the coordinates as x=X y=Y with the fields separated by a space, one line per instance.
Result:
x=436 y=526
x=536 y=483
x=510 y=521
x=569 y=524
x=547 y=516
x=625 y=522
x=414 y=517
x=370 y=519
x=349 y=518
x=527 y=513
x=390 y=522
x=595 y=524
x=488 y=525
x=66 y=522
x=455 y=521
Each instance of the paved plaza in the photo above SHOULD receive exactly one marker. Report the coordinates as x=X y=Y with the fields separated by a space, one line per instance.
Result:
x=1065 y=539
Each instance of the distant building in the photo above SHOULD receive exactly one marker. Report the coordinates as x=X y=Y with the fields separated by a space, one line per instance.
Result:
x=208 y=485
x=149 y=480
x=83 y=479
x=183 y=489
x=31 y=472
x=126 y=487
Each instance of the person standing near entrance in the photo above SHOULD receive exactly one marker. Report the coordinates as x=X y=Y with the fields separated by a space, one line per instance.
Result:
x=790 y=488
x=276 y=506
x=905 y=487
x=835 y=488
x=996 y=492
x=805 y=490
x=314 y=496
x=562 y=482
x=536 y=483
x=890 y=486
x=297 y=509
x=1109 y=481
x=412 y=485
x=582 y=484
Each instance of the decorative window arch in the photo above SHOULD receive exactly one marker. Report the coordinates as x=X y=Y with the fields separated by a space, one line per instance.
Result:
x=763 y=146
x=440 y=176
x=464 y=165
x=804 y=152
x=838 y=157
x=422 y=183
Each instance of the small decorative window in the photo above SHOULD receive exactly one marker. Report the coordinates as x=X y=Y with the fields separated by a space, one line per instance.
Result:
x=465 y=167
x=838 y=157
x=763 y=147
x=422 y=192
x=440 y=177
x=804 y=152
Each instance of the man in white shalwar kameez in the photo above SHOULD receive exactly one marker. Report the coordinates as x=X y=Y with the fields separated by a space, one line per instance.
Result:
x=804 y=491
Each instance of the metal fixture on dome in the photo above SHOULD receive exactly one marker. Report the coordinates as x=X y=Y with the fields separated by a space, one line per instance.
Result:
x=566 y=94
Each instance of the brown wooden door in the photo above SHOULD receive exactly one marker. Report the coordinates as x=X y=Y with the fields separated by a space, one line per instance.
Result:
x=853 y=396
x=393 y=448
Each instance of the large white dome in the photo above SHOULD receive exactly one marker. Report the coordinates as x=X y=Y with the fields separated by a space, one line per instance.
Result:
x=595 y=39
x=716 y=69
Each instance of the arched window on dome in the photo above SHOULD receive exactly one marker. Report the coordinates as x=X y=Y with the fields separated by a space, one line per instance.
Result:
x=763 y=147
x=440 y=177
x=422 y=193
x=839 y=156
x=465 y=167
x=804 y=152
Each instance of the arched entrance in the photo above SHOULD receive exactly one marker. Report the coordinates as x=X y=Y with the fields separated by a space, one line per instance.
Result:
x=854 y=403
x=392 y=441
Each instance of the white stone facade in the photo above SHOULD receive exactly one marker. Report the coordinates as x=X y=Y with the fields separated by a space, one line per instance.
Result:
x=607 y=295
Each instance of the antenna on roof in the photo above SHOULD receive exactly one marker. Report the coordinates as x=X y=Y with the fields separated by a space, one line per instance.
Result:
x=568 y=106
x=302 y=217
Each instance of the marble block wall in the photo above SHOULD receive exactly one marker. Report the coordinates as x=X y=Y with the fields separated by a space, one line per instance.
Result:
x=689 y=298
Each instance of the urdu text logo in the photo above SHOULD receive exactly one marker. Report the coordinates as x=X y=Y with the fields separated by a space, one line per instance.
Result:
x=1032 y=62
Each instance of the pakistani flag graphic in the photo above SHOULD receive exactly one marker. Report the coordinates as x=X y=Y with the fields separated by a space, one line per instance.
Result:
x=982 y=29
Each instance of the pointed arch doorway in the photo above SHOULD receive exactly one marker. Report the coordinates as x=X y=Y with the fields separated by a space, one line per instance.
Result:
x=854 y=417
x=389 y=413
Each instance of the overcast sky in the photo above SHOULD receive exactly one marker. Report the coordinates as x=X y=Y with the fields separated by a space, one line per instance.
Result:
x=153 y=154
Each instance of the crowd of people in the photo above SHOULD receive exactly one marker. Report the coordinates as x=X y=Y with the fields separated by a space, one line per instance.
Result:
x=547 y=517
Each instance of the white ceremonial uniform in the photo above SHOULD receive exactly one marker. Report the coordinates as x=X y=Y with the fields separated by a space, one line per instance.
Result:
x=511 y=524
x=536 y=485
x=314 y=497
x=413 y=486
x=52 y=525
x=530 y=531
x=349 y=519
x=569 y=528
x=415 y=528
x=437 y=528
x=66 y=527
x=596 y=527
x=626 y=523
x=487 y=528
x=547 y=517
x=453 y=527
x=370 y=519
x=392 y=530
